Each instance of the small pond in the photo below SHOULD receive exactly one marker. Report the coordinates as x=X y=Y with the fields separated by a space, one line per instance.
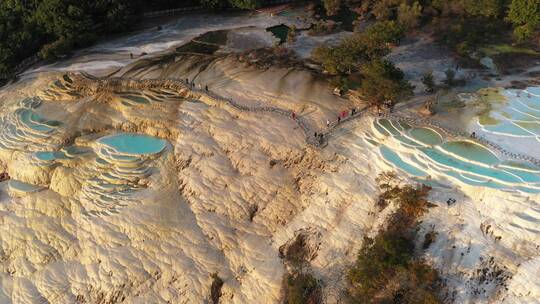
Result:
x=134 y=144
x=280 y=31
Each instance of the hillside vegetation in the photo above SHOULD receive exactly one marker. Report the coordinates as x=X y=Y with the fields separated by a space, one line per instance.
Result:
x=52 y=28
x=466 y=27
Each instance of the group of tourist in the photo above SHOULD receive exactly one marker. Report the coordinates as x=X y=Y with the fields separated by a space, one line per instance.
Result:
x=341 y=116
x=319 y=136
x=192 y=85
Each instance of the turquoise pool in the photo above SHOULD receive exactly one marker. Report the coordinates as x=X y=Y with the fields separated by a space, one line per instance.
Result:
x=21 y=187
x=134 y=144
x=422 y=152
x=50 y=156
x=517 y=116
x=394 y=159
x=472 y=151
x=426 y=136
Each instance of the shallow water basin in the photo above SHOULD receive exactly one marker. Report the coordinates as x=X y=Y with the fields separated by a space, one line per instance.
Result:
x=134 y=144
x=394 y=158
x=471 y=151
x=426 y=136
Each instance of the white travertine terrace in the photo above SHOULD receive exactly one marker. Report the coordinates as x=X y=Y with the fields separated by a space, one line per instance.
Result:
x=89 y=216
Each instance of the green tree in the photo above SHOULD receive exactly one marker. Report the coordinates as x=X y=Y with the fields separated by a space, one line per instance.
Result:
x=332 y=6
x=20 y=37
x=428 y=81
x=245 y=4
x=378 y=37
x=63 y=18
x=484 y=8
x=371 y=44
x=525 y=16
x=386 y=270
x=213 y=4
x=291 y=34
x=301 y=288
x=383 y=84
x=450 y=77
x=385 y=9
x=409 y=15
x=337 y=60
x=118 y=14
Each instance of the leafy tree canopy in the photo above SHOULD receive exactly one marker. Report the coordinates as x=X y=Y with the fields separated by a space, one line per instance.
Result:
x=52 y=28
x=525 y=15
x=383 y=83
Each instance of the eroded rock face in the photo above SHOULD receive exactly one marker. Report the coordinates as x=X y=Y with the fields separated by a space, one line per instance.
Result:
x=154 y=217
x=102 y=218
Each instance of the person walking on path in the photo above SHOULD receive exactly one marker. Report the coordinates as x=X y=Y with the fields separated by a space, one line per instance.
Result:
x=328 y=123
x=293 y=115
x=338 y=119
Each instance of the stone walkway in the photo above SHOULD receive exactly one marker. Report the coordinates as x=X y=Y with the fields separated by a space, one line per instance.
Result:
x=462 y=135
x=108 y=84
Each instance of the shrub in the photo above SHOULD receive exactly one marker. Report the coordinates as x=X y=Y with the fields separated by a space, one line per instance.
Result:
x=245 y=4
x=383 y=84
x=291 y=34
x=428 y=81
x=385 y=9
x=450 y=77
x=525 y=15
x=295 y=253
x=377 y=38
x=429 y=238
x=56 y=49
x=336 y=60
x=215 y=289
x=332 y=6
x=385 y=270
x=301 y=288
x=409 y=15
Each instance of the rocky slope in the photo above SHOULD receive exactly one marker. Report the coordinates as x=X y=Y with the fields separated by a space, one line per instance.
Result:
x=94 y=215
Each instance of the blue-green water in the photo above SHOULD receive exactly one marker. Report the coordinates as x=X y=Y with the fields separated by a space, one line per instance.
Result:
x=517 y=116
x=50 y=156
x=134 y=144
x=23 y=187
x=472 y=151
x=470 y=162
x=394 y=158
x=426 y=136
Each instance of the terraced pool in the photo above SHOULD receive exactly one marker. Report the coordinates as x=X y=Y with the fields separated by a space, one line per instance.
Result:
x=25 y=129
x=514 y=119
x=19 y=188
x=134 y=144
x=122 y=161
x=423 y=152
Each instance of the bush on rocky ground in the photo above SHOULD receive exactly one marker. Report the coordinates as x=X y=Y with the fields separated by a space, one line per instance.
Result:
x=301 y=288
x=386 y=270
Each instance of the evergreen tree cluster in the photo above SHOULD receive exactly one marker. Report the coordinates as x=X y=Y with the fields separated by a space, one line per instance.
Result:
x=51 y=28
